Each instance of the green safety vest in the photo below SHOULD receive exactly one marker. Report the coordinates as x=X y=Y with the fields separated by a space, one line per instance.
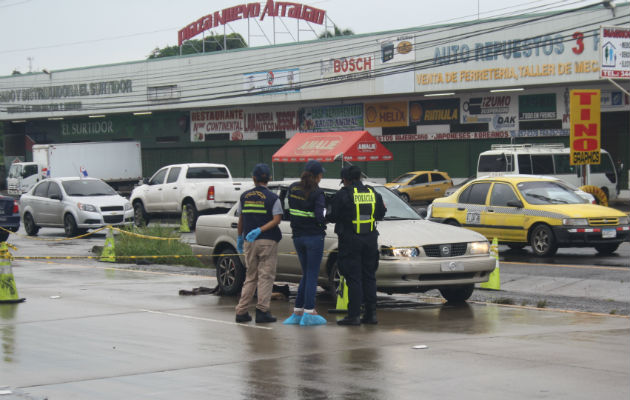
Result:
x=365 y=203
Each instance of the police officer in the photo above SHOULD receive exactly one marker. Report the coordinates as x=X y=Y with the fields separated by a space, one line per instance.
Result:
x=260 y=214
x=355 y=209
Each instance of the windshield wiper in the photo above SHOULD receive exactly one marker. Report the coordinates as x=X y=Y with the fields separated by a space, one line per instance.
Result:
x=539 y=196
x=394 y=218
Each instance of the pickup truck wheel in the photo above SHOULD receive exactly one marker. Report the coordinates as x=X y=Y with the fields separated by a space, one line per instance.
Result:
x=140 y=216
x=457 y=294
x=29 y=225
x=191 y=215
x=230 y=273
x=70 y=226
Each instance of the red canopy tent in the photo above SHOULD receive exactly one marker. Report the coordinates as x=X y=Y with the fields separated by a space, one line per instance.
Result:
x=331 y=146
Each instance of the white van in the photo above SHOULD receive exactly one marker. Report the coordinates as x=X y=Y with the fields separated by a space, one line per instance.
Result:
x=549 y=160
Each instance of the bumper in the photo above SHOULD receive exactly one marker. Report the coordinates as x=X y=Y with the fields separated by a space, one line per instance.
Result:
x=590 y=236
x=10 y=221
x=92 y=220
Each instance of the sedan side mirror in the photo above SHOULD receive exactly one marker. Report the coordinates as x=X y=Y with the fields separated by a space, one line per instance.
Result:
x=515 y=203
x=145 y=181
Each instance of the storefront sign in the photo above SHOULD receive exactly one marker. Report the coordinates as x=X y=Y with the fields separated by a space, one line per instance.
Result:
x=615 y=52
x=433 y=112
x=331 y=118
x=533 y=107
x=585 y=139
x=397 y=49
x=346 y=68
x=87 y=128
x=444 y=136
x=392 y=113
x=251 y=10
x=500 y=112
x=271 y=82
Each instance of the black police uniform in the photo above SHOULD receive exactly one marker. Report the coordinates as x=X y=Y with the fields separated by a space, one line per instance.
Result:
x=355 y=210
x=304 y=222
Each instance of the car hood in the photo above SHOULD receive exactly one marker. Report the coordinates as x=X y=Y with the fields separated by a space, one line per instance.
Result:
x=113 y=200
x=422 y=232
x=581 y=210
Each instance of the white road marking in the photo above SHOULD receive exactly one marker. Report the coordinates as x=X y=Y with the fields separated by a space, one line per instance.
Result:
x=206 y=319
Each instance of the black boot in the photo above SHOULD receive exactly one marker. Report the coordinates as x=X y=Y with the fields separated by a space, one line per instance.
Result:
x=369 y=316
x=243 y=317
x=348 y=320
x=264 y=317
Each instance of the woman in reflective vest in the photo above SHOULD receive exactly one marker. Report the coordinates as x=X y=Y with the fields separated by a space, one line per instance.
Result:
x=307 y=210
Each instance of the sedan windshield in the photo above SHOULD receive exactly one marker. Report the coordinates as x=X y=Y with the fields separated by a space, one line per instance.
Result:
x=544 y=192
x=396 y=208
x=87 y=188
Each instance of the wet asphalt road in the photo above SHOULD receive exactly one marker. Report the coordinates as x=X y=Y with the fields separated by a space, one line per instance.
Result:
x=92 y=330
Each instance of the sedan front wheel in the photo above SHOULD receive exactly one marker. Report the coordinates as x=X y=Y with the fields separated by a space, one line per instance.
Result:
x=543 y=241
x=230 y=273
x=70 y=226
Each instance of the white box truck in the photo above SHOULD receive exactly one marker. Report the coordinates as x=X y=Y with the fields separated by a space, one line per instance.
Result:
x=117 y=163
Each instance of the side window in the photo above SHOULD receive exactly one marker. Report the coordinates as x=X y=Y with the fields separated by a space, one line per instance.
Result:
x=158 y=178
x=29 y=170
x=501 y=194
x=41 y=190
x=437 y=178
x=563 y=164
x=542 y=164
x=524 y=164
x=475 y=194
x=54 y=189
x=173 y=174
x=424 y=178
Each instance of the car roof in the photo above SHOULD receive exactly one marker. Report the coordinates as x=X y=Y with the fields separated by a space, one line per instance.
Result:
x=334 y=184
x=72 y=178
x=424 y=172
x=517 y=178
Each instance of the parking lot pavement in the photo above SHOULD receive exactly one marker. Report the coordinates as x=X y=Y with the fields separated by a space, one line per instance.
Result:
x=90 y=330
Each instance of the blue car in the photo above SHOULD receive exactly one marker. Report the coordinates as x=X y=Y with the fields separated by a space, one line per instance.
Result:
x=9 y=216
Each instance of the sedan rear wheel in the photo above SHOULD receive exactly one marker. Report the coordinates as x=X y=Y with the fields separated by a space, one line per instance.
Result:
x=29 y=225
x=458 y=293
x=230 y=273
x=4 y=235
x=70 y=226
x=334 y=279
x=543 y=241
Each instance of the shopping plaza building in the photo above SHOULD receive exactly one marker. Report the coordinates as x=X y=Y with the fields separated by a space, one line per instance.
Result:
x=435 y=96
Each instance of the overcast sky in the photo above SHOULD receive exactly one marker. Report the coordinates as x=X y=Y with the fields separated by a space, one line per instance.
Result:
x=76 y=33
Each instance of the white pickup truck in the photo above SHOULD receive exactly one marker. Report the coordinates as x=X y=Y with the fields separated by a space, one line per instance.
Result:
x=199 y=188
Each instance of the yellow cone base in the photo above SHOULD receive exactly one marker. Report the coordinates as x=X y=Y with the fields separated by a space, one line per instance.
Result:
x=8 y=290
x=494 y=280
x=342 y=298
x=109 y=252
x=183 y=225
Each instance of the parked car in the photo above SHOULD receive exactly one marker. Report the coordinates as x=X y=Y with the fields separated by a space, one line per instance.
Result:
x=74 y=204
x=421 y=185
x=415 y=255
x=528 y=210
x=9 y=216
x=198 y=188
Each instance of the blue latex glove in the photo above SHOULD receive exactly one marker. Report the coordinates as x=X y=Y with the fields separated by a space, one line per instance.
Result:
x=251 y=236
x=239 y=244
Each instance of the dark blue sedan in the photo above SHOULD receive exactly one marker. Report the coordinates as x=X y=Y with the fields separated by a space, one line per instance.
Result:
x=9 y=216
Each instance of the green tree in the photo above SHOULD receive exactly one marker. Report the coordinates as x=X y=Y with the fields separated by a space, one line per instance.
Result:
x=337 y=32
x=194 y=46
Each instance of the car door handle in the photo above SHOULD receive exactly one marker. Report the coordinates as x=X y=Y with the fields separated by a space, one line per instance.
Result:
x=234 y=225
x=460 y=208
x=159 y=188
x=490 y=210
x=175 y=187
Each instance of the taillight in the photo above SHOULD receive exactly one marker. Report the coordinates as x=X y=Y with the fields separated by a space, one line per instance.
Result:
x=16 y=208
x=211 y=193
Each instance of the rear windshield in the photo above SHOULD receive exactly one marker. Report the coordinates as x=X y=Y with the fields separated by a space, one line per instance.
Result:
x=496 y=163
x=207 y=172
x=87 y=188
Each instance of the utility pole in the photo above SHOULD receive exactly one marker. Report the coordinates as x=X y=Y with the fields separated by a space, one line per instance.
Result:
x=30 y=64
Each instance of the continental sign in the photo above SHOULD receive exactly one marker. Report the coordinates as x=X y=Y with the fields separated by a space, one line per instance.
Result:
x=585 y=136
x=251 y=10
x=392 y=113
x=433 y=112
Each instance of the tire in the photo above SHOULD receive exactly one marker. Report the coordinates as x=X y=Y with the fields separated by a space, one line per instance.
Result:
x=333 y=280
x=452 y=222
x=230 y=273
x=518 y=246
x=70 y=226
x=4 y=235
x=458 y=293
x=29 y=225
x=140 y=216
x=600 y=196
x=542 y=241
x=191 y=214
x=606 y=248
x=404 y=197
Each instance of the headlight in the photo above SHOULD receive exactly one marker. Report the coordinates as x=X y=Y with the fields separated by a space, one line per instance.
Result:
x=128 y=206
x=429 y=211
x=479 y=247
x=574 y=221
x=624 y=220
x=400 y=252
x=87 y=207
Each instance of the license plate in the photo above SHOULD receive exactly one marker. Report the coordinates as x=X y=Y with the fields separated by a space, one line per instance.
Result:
x=609 y=233
x=2 y=219
x=452 y=266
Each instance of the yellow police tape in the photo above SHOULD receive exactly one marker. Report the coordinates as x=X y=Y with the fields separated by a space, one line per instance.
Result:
x=56 y=239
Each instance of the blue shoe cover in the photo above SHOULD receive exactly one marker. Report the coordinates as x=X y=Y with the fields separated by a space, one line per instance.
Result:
x=312 y=319
x=294 y=319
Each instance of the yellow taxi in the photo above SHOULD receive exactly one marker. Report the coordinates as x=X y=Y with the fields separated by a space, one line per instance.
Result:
x=543 y=213
x=421 y=185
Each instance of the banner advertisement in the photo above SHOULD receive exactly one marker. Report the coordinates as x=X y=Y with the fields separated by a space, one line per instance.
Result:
x=272 y=82
x=615 y=52
x=241 y=123
x=347 y=68
x=432 y=112
x=397 y=49
x=347 y=117
x=500 y=112
x=393 y=113
x=443 y=136
x=532 y=107
x=585 y=138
